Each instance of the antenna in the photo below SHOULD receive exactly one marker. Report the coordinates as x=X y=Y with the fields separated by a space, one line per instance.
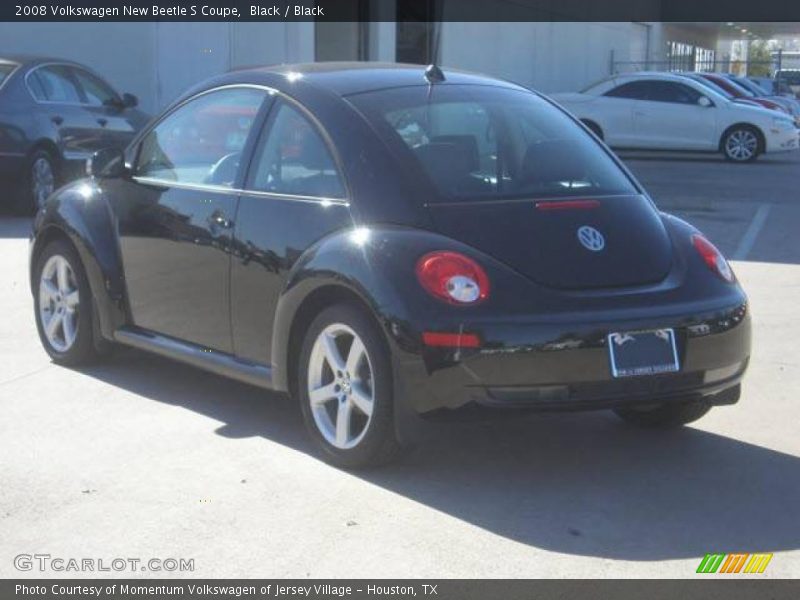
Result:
x=433 y=74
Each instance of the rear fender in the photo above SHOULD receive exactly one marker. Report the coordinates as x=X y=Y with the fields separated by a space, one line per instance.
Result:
x=80 y=213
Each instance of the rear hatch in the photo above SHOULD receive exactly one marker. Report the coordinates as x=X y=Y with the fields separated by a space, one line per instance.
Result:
x=540 y=239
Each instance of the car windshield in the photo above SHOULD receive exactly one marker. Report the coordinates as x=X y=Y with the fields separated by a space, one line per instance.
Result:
x=485 y=142
x=5 y=71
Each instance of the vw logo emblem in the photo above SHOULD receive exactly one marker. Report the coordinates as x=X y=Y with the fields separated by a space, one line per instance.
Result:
x=591 y=239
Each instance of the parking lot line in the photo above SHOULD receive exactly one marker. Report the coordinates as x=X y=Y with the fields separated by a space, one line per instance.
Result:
x=751 y=235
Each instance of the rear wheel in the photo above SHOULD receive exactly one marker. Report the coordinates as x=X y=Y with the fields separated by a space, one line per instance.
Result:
x=741 y=144
x=63 y=305
x=41 y=179
x=345 y=388
x=666 y=415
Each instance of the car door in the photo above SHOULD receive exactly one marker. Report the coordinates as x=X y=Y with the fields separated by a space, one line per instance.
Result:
x=108 y=119
x=294 y=196
x=59 y=101
x=615 y=113
x=175 y=215
x=671 y=118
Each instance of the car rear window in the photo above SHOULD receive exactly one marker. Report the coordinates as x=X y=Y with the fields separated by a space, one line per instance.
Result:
x=483 y=142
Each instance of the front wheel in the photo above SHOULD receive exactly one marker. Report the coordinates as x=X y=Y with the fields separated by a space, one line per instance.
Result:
x=345 y=388
x=666 y=415
x=741 y=144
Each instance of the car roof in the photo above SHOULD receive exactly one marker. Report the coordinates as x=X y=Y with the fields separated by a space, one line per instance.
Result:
x=347 y=78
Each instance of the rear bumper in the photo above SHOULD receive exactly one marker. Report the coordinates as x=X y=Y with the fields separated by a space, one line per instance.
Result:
x=565 y=366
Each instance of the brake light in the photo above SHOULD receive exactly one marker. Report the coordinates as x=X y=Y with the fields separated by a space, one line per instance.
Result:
x=713 y=257
x=452 y=277
x=451 y=340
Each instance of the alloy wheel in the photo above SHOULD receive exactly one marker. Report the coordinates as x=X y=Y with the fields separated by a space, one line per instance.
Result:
x=340 y=386
x=59 y=303
x=741 y=145
x=42 y=180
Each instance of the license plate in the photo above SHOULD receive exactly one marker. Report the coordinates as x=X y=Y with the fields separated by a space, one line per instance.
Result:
x=642 y=352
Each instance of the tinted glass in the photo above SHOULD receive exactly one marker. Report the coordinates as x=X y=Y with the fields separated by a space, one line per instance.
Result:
x=96 y=91
x=635 y=90
x=201 y=142
x=53 y=84
x=484 y=142
x=294 y=159
x=668 y=91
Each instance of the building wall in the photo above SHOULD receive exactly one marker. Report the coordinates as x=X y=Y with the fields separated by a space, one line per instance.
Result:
x=550 y=57
x=157 y=61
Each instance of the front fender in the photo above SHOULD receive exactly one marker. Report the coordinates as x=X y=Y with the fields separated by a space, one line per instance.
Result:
x=80 y=212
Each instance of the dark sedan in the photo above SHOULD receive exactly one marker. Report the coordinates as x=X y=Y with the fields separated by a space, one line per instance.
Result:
x=385 y=242
x=53 y=115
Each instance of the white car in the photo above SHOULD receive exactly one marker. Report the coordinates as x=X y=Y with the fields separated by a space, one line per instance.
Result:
x=661 y=111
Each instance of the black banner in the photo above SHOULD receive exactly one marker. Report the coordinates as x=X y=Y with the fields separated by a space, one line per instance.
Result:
x=450 y=589
x=404 y=10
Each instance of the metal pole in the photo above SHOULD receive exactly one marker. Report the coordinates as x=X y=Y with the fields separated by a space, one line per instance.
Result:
x=611 y=62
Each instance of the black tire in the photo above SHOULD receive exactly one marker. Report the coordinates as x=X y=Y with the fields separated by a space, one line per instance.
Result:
x=666 y=415
x=85 y=348
x=378 y=444
x=728 y=144
x=594 y=127
x=27 y=202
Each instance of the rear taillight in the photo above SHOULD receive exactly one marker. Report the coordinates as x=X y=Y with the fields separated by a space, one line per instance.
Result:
x=713 y=257
x=453 y=277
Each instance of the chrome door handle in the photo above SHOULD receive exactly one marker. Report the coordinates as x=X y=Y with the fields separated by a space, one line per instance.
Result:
x=217 y=220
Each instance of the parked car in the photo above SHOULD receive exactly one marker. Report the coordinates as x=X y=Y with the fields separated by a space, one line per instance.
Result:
x=773 y=87
x=53 y=115
x=707 y=83
x=791 y=104
x=739 y=92
x=790 y=77
x=385 y=242
x=663 y=111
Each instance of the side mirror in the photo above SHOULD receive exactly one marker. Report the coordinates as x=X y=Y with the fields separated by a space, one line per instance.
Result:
x=107 y=163
x=704 y=102
x=129 y=100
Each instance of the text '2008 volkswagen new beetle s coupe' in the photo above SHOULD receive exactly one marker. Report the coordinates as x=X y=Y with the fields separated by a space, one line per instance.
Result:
x=385 y=242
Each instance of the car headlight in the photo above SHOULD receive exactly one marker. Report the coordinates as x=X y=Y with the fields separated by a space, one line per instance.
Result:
x=780 y=123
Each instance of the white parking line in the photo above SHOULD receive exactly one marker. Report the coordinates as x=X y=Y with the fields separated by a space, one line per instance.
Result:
x=751 y=235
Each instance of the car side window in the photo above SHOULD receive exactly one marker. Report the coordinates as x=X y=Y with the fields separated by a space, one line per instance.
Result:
x=53 y=84
x=676 y=93
x=96 y=91
x=293 y=159
x=633 y=90
x=201 y=141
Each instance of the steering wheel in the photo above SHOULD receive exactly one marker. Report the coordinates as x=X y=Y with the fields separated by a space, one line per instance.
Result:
x=224 y=170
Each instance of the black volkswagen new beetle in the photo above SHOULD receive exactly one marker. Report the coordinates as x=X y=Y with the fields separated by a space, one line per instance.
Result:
x=385 y=242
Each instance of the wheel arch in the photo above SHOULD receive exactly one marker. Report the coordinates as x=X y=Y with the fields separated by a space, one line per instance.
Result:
x=328 y=294
x=762 y=139
x=80 y=216
x=594 y=126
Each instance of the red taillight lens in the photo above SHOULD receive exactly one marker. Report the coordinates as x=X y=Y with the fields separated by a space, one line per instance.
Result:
x=451 y=340
x=453 y=277
x=713 y=257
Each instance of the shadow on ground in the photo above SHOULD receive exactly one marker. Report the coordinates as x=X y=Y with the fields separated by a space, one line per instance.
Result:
x=581 y=484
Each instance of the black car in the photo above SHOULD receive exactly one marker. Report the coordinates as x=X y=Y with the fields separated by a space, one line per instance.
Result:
x=53 y=115
x=385 y=242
